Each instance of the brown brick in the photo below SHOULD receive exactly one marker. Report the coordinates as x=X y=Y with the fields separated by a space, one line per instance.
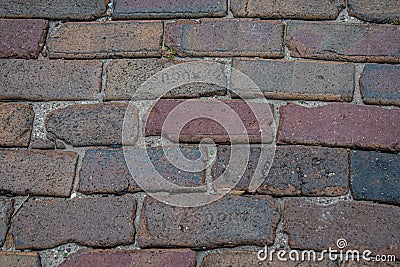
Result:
x=306 y=80
x=6 y=210
x=169 y=9
x=27 y=43
x=106 y=39
x=386 y=11
x=20 y=259
x=314 y=9
x=42 y=143
x=344 y=125
x=35 y=172
x=364 y=226
x=380 y=84
x=229 y=221
x=88 y=125
x=96 y=222
x=150 y=257
x=16 y=121
x=49 y=80
x=226 y=37
x=339 y=41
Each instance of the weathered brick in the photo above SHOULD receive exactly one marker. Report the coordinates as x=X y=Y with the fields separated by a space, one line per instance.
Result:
x=314 y=9
x=344 y=125
x=6 y=209
x=386 y=11
x=96 y=222
x=42 y=143
x=364 y=226
x=126 y=76
x=370 y=264
x=20 y=259
x=339 y=41
x=380 y=84
x=35 y=172
x=205 y=127
x=49 y=80
x=16 y=121
x=229 y=221
x=169 y=9
x=241 y=37
x=95 y=124
x=27 y=43
x=106 y=39
x=150 y=257
x=306 y=80
x=375 y=176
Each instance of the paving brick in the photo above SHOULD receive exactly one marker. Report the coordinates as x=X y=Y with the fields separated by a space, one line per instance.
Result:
x=229 y=221
x=363 y=225
x=95 y=222
x=49 y=80
x=20 y=259
x=241 y=37
x=27 y=43
x=313 y=9
x=344 y=125
x=6 y=209
x=339 y=41
x=380 y=84
x=106 y=39
x=42 y=143
x=126 y=76
x=150 y=257
x=16 y=121
x=88 y=125
x=386 y=11
x=203 y=126
x=375 y=176
x=55 y=9
x=169 y=9
x=35 y=172
x=306 y=80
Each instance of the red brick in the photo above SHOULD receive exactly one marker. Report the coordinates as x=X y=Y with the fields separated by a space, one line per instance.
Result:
x=386 y=11
x=226 y=37
x=339 y=41
x=364 y=226
x=27 y=43
x=46 y=80
x=16 y=121
x=20 y=259
x=169 y=9
x=6 y=210
x=106 y=39
x=95 y=222
x=35 y=172
x=150 y=258
x=344 y=125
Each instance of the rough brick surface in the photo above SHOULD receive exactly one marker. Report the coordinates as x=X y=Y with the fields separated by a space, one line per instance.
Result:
x=380 y=84
x=314 y=9
x=306 y=80
x=229 y=221
x=16 y=121
x=6 y=210
x=27 y=43
x=338 y=41
x=387 y=11
x=33 y=172
x=169 y=9
x=242 y=37
x=371 y=264
x=344 y=125
x=20 y=259
x=375 y=176
x=95 y=222
x=49 y=80
x=106 y=39
x=364 y=226
x=151 y=258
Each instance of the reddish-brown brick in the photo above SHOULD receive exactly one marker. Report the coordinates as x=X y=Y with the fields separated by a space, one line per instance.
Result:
x=106 y=39
x=344 y=125
x=226 y=37
x=96 y=222
x=6 y=210
x=16 y=121
x=386 y=11
x=363 y=225
x=27 y=43
x=49 y=80
x=339 y=41
x=20 y=259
